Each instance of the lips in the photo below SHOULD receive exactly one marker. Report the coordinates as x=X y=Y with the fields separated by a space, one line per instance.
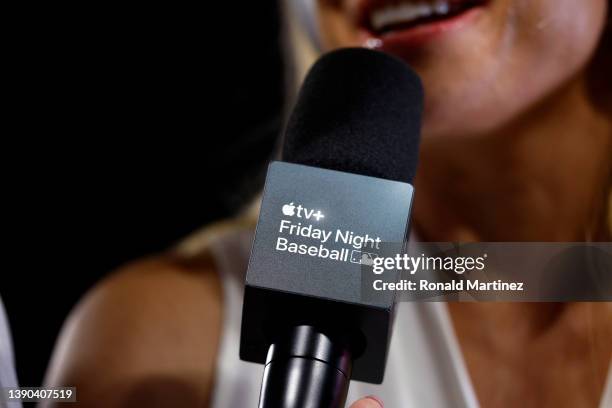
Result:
x=382 y=19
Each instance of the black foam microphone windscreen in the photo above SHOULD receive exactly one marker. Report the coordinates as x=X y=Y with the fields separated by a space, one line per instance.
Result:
x=340 y=194
x=358 y=111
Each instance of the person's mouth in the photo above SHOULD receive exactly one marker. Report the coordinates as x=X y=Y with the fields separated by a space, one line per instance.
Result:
x=411 y=22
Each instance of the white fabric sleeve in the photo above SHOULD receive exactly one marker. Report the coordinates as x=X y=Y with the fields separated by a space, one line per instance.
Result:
x=8 y=377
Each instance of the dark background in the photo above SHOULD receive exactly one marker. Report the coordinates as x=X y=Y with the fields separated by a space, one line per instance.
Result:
x=129 y=128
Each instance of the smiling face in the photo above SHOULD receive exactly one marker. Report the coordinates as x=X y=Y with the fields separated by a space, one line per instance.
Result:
x=482 y=62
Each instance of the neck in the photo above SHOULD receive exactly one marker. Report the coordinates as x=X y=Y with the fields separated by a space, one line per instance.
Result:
x=544 y=177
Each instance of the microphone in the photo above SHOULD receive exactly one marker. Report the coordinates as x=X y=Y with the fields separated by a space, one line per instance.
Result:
x=341 y=190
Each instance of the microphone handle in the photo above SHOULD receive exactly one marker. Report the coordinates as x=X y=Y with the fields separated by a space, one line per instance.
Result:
x=306 y=369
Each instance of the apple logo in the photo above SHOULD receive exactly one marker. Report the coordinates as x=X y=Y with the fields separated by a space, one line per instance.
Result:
x=289 y=209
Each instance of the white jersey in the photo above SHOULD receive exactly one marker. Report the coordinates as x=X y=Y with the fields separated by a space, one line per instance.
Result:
x=8 y=378
x=425 y=366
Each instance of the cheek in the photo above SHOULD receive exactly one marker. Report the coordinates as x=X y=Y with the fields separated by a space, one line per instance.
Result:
x=537 y=48
x=553 y=41
x=563 y=32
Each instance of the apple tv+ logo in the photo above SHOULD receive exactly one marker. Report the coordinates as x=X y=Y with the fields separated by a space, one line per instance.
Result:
x=299 y=211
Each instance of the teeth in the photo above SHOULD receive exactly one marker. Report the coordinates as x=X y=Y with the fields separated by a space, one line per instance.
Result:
x=441 y=7
x=407 y=11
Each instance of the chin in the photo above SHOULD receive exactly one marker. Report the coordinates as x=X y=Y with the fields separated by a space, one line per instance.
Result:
x=484 y=63
x=467 y=101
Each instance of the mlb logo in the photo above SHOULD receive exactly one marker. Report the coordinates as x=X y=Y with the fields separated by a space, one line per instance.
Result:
x=363 y=258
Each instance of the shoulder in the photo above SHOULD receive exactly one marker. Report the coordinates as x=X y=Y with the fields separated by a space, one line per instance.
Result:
x=150 y=330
